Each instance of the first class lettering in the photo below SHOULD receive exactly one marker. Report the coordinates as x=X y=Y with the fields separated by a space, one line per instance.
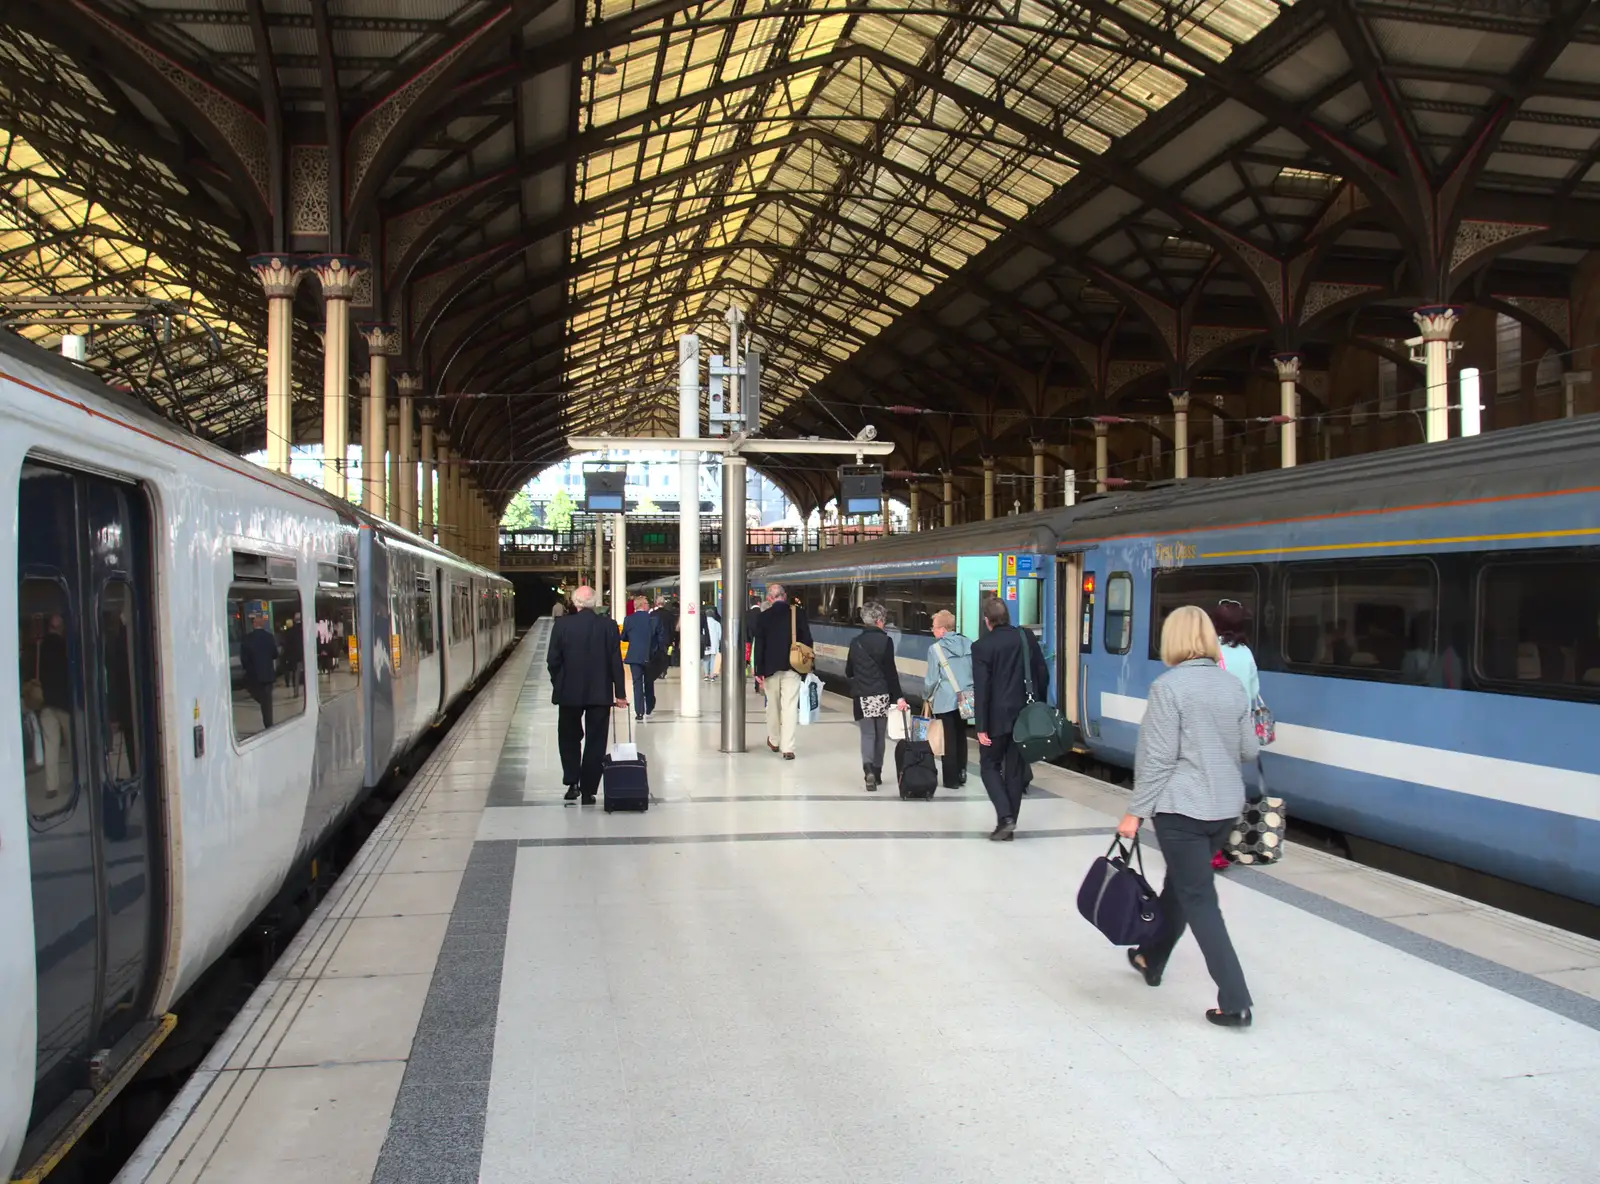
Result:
x=1174 y=554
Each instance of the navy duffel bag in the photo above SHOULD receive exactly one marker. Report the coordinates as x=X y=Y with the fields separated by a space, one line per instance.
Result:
x=1116 y=898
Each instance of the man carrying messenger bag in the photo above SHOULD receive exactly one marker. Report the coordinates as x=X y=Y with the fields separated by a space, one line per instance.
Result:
x=1007 y=664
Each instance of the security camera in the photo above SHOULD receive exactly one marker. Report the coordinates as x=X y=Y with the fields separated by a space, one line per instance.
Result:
x=867 y=433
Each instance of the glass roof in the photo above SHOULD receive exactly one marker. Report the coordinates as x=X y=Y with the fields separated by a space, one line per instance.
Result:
x=795 y=163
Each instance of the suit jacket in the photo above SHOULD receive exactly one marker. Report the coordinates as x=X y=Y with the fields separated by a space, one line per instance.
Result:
x=639 y=631
x=585 y=660
x=771 y=639
x=998 y=691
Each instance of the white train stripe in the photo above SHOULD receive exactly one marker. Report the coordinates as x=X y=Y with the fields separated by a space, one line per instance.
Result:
x=1518 y=783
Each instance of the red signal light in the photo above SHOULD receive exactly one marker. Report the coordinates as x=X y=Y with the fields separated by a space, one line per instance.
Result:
x=1088 y=585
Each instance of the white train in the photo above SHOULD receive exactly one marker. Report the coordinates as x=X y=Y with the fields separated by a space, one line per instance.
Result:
x=215 y=664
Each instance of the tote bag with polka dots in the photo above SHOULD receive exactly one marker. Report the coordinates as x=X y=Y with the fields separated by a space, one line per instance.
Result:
x=1257 y=837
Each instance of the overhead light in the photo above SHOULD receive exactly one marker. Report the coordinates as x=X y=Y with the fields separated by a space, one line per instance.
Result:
x=1293 y=182
x=606 y=66
x=1184 y=248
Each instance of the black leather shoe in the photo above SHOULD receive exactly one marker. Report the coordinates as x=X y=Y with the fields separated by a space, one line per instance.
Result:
x=1152 y=978
x=571 y=794
x=588 y=799
x=1004 y=832
x=1229 y=1019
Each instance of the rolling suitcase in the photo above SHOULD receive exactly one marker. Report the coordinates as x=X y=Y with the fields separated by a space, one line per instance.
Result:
x=624 y=775
x=915 y=769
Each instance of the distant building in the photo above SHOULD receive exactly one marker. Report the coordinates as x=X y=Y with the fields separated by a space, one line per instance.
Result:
x=653 y=481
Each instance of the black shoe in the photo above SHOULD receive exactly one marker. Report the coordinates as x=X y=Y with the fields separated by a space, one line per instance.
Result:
x=1003 y=832
x=870 y=776
x=571 y=794
x=588 y=799
x=1152 y=978
x=1229 y=1019
x=638 y=719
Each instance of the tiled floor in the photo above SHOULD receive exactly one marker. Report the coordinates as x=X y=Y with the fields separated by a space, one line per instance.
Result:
x=774 y=977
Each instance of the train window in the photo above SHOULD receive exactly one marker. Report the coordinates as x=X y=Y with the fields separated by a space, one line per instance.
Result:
x=1119 y=613
x=266 y=644
x=49 y=735
x=338 y=648
x=424 y=609
x=460 y=612
x=1362 y=620
x=121 y=748
x=1539 y=625
x=1203 y=587
x=912 y=603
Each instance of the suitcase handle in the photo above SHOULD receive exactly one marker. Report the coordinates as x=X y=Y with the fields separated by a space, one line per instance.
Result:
x=627 y=713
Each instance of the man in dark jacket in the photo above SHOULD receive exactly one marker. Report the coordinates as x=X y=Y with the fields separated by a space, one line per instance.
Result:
x=771 y=639
x=639 y=631
x=585 y=666
x=998 y=697
x=258 y=657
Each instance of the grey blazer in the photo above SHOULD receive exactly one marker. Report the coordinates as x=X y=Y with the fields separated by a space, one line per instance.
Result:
x=1197 y=731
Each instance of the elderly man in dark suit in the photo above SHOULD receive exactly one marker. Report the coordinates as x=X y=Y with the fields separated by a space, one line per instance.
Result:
x=585 y=665
x=998 y=697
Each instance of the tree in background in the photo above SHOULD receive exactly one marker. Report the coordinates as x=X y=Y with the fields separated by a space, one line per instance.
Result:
x=558 y=511
x=521 y=513
x=646 y=506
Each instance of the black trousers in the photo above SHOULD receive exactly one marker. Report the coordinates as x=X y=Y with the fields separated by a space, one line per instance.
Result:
x=261 y=692
x=1000 y=765
x=585 y=726
x=1189 y=900
x=955 y=748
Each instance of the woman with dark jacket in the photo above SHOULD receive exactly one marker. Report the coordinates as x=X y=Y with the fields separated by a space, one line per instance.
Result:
x=1197 y=731
x=874 y=687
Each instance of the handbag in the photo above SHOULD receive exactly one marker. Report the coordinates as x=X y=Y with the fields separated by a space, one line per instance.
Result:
x=810 y=700
x=801 y=656
x=897 y=726
x=1116 y=898
x=935 y=736
x=965 y=703
x=1266 y=726
x=1257 y=837
x=1040 y=730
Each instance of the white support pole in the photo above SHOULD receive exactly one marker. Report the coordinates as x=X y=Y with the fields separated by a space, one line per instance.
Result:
x=599 y=559
x=689 y=526
x=1288 y=406
x=1180 y=433
x=1069 y=481
x=1102 y=456
x=1437 y=324
x=619 y=567
x=1471 y=402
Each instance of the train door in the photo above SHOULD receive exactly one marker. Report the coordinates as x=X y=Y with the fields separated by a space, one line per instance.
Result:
x=1077 y=598
x=90 y=767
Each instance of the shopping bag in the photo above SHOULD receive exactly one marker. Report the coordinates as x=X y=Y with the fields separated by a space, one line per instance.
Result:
x=898 y=726
x=1257 y=837
x=810 y=699
x=716 y=666
x=917 y=727
x=936 y=737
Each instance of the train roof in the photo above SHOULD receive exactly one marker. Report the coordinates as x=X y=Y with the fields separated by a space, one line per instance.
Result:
x=1515 y=462
x=1025 y=533
x=88 y=385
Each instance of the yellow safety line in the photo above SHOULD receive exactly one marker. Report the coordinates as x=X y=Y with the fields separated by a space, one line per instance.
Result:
x=79 y=1126
x=1466 y=538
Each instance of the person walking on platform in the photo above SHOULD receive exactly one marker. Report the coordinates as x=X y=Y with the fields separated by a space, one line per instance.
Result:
x=585 y=666
x=1234 y=656
x=710 y=641
x=1197 y=731
x=949 y=678
x=639 y=631
x=874 y=688
x=999 y=694
x=777 y=629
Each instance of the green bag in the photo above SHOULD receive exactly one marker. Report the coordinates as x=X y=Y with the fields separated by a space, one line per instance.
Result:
x=1040 y=731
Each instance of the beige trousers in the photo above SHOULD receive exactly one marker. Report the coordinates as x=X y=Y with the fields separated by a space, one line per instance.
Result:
x=783 y=708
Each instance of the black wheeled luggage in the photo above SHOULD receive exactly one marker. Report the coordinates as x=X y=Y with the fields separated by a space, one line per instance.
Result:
x=624 y=775
x=916 y=769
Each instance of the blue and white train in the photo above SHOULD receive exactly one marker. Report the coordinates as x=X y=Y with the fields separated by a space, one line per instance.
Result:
x=154 y=800
x=1426 y=620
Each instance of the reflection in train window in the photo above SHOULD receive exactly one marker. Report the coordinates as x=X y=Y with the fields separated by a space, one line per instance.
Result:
x=266 y=644
x=49 y=736
x=1539 y=624
x=1362 y=620
x=116 y=669
x=424 y=616
x=1205 y=587
x=338 y=647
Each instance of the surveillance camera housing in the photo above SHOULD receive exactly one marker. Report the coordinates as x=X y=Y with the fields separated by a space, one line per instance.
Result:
x=867 y=433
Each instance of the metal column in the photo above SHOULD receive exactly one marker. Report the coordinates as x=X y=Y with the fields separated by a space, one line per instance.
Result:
x=1437 y=324
x=279 y=276
x=599 y=560
x=1180 y=433
x=734 y=593
x=426 y=524
x=1288 y=375
x=689 y=527
x=619 y=567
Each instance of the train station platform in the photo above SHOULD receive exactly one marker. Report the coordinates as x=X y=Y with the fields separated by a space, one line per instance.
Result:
x=774 y=978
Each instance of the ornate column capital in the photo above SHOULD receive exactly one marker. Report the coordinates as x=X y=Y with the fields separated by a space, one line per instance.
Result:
x=1037 y=446
x=364 y=385
x=394 y=416
x=1288 y=366
x=988 y=463
x=408 y=384
x=280 y=275
x=426 y=414
x=1437 y=321
x=1101 y=428
x=382 y=339
x=1180 y=400
x=337 y=274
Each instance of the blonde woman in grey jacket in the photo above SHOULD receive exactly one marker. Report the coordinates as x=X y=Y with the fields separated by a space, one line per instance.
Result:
x=1197 y=731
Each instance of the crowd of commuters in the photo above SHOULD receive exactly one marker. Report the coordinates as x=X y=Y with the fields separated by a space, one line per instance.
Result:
x=1197 y=736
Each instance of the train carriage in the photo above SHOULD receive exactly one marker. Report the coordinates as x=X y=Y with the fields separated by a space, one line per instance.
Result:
x=159 y=791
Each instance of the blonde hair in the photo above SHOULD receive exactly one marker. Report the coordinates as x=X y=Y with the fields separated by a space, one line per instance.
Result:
x=944 y=619
x=1188 y=633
